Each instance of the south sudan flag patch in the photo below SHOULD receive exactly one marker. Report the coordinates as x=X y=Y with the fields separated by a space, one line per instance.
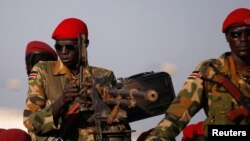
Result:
x=194 y=75
x=33 y=75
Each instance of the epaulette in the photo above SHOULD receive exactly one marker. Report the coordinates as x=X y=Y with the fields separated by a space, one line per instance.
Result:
x=199 y=71
x=205 y=66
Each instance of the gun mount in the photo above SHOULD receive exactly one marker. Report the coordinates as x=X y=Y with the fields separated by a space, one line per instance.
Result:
x=160 y=83
x=134 y=98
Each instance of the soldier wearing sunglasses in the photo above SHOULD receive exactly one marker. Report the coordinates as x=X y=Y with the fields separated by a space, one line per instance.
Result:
x=219 y=86
x=54 y=86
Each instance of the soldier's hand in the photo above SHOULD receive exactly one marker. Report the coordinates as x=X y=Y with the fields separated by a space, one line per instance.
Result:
x=86 y=87
x=70 y=92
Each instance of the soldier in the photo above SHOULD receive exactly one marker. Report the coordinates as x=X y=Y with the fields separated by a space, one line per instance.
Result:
x=38 y=51
x=54 y=86
x=35 y=51
x=204 y=88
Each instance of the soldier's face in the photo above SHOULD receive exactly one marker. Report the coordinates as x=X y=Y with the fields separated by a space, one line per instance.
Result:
x=68 y=52
x=238 y=38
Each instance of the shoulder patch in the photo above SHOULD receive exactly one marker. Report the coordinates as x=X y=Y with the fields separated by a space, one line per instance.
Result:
x=33 y=75
x=194 y=75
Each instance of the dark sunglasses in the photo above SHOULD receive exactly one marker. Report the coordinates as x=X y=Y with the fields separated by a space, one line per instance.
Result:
x=238 y=33
x=69 y=47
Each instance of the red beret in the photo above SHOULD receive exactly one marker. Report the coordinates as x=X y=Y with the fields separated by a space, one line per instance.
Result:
x=190 y=131
x=238 y=16
x=1 y=130
x=38 y=46
x=14 y=134
x=69 y=29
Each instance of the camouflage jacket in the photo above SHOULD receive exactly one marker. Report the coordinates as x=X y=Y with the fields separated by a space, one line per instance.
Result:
x=46 y=84
x=200 y=90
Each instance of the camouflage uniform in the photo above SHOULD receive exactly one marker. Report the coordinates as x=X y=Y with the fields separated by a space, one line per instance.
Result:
x=201 y=91
x=46 y=84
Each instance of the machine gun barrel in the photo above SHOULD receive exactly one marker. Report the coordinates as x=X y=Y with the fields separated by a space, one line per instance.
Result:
x=150 y=95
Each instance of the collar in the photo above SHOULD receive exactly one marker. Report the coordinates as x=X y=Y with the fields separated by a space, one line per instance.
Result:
x=61 y=69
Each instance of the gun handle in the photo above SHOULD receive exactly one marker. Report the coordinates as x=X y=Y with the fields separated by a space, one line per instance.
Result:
x=73 y=108
x=113 y=114
x=241 y=111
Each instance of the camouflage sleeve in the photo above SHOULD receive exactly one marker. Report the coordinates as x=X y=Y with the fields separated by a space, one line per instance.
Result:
x=37 y=117
x=187 y=103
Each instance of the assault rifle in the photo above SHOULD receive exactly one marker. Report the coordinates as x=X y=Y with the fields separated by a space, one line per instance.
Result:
x=244 y=109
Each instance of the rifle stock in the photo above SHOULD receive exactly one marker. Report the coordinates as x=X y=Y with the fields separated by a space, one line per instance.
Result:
x=236 y=113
